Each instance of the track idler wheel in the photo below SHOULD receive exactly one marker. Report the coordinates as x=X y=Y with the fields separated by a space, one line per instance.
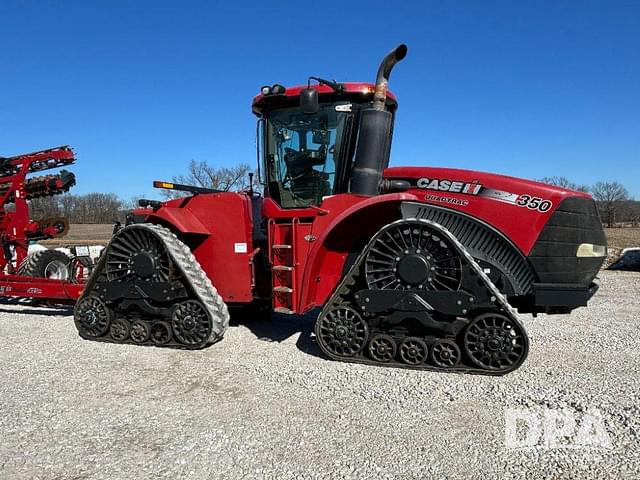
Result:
x=342 y=331
x=494 y=342
x=445 y=353
x=92 y=317
x=140 y=331
x=191 y=323
x=160 y=333
x=413 y=351
x=382 y=348
x=120 y=330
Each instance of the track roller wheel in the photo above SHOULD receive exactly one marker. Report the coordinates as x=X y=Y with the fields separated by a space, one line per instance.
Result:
x=494 y=342
x=413 y=351
x=382 y=348
x=160 y=333
x=140 y=331
x=92 y=317
x=445 y=353
x=342 y=331
x=120 y=330
x=190 y=322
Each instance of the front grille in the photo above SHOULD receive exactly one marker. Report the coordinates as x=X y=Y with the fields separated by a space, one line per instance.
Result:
x=553 y=256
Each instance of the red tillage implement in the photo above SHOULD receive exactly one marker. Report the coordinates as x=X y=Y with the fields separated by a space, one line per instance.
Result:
x=47 y=274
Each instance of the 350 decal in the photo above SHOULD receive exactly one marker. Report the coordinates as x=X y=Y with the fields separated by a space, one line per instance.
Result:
x=534 y=203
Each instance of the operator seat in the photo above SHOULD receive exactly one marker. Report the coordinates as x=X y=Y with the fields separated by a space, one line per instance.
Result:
x=308 y=186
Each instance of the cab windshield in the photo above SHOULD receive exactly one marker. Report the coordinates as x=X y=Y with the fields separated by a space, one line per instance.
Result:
x=301 y=154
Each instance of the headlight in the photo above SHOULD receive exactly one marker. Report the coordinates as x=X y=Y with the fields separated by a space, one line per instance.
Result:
x=591 y=250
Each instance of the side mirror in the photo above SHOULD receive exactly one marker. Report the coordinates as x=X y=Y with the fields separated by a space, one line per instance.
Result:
x=309 y=101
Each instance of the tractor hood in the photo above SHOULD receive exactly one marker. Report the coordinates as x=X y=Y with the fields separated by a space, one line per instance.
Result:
x=506 y=203
x=446 y=180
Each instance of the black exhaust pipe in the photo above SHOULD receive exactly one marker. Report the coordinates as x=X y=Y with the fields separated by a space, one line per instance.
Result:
x=374 y=139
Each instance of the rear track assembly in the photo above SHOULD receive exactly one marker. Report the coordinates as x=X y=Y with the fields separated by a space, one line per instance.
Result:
x=148 y=289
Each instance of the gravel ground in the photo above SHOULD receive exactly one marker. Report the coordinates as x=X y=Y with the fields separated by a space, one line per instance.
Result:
x=263 y=403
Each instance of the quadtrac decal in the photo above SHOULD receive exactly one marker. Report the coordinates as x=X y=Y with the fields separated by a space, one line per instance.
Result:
x=475 y=188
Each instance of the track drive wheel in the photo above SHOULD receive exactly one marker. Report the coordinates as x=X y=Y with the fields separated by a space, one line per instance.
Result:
x=342 y=331
x=494 y=342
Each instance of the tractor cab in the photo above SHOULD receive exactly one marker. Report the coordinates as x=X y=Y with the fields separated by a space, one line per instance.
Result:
x=308 y=156
x=309 y=137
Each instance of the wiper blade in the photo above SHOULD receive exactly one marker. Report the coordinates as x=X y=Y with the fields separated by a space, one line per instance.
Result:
x=337 y=87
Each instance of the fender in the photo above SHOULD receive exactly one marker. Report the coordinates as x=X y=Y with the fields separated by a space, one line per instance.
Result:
x=181 y=219
x=338 y=237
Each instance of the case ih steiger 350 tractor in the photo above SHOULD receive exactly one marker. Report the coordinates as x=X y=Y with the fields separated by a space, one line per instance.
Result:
x=411 y=266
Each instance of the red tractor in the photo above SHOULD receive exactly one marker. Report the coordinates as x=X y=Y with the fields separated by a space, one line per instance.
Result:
x=411 y=266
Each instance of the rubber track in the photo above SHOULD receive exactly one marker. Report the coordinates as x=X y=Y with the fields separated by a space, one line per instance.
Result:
x=502 y=305
x=192 y=273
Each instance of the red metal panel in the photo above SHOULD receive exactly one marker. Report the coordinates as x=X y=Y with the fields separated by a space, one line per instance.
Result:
x=30 y=287
x=495 y=199
x=182 y=219
x=349 y=218
x=222 y=244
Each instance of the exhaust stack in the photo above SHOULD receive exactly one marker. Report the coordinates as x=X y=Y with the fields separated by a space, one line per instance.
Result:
x=374 y=139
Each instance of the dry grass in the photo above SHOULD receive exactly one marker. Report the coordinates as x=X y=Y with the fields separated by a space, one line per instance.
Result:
x=620 y=238
x=83 y=234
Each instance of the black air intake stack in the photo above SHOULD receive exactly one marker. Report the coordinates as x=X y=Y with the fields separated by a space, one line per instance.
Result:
x=374 y=139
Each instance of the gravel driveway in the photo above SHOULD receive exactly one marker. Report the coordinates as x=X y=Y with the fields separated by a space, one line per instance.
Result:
x=264 y=403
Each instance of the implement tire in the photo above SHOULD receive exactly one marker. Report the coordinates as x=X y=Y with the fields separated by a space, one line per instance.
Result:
x=46 y=264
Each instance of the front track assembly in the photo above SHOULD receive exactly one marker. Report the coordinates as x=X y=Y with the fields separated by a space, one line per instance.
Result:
x=415 y=298
x=148 y=289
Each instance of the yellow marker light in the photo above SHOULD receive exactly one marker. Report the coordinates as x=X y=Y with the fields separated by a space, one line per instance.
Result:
x=166 y=185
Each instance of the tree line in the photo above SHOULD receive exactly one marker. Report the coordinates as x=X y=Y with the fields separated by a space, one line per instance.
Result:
x=90 y=208
x=615 y=205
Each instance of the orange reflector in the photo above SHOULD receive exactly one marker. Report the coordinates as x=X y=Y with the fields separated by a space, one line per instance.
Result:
x=158 y=184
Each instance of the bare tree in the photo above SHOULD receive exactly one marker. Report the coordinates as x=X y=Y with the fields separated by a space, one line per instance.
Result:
x=102 y=207
x=89 y=208
x=610 y=197
x=564 y=182
x=201 y=174
x=44 y=207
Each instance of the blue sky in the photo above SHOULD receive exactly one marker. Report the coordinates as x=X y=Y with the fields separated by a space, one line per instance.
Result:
x=529 y=89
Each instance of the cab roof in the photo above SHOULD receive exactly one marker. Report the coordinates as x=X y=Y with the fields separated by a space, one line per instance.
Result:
x=357 y=92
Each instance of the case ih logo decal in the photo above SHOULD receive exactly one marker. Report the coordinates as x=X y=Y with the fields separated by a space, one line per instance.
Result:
x=472 y=188
x=477 y=189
